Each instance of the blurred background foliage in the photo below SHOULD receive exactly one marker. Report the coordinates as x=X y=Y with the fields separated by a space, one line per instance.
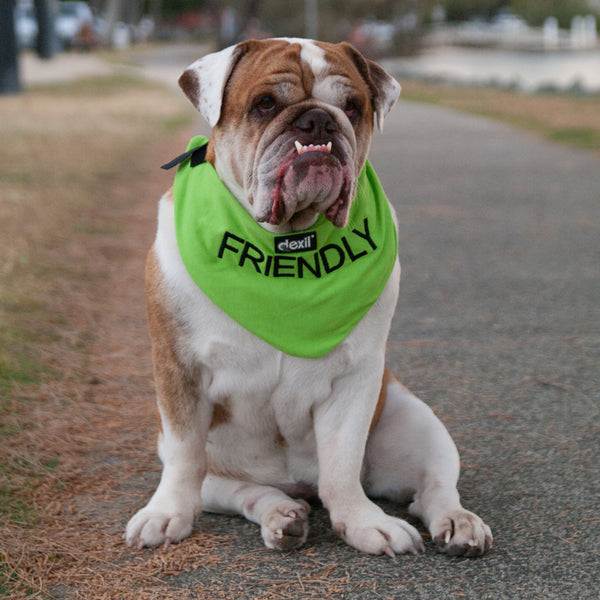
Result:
x=337 y=19
x=534 y=12
x=376 y=26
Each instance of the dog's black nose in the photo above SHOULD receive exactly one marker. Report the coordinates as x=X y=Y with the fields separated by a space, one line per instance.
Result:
x=317 y=124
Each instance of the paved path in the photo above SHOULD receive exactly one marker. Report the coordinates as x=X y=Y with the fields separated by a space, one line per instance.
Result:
x=62 y=67
x=498 y=328
x=162 y=64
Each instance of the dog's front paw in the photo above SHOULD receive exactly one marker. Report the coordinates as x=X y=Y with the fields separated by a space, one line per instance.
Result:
x=286 y=526
x=378 y=533
x=149 y=527
x=461 y=533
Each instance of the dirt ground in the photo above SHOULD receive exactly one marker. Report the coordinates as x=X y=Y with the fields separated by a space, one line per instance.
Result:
x=77 y=437
x=98 y=421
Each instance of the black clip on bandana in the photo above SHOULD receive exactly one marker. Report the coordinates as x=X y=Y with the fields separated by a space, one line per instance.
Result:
x=198 y=157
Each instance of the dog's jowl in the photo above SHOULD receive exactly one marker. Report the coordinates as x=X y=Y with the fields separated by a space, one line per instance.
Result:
x=271 y=287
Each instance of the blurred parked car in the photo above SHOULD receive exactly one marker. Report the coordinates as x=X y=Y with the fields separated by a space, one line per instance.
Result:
x=508 y=22
x=74 y=23
x=26 y=27
x=76 y=27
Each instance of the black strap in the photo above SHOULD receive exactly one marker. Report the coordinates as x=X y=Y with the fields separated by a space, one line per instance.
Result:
x=198 y=157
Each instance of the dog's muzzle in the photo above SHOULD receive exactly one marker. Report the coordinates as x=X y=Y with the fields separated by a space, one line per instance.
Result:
x=314 y=173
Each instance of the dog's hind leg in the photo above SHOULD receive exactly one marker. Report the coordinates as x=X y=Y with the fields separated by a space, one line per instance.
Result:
x=283 y=521
x=411 y=454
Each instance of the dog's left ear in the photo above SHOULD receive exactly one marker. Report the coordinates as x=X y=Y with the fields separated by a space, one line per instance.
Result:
x=203 y=82
x=385 y=89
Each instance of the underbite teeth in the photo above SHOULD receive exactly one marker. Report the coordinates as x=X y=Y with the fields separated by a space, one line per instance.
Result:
x=312 y=147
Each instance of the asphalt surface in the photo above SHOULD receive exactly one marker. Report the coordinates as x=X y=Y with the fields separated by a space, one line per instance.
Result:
x=498 y=329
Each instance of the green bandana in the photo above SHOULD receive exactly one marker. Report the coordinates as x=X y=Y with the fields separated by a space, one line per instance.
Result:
x=303 y=293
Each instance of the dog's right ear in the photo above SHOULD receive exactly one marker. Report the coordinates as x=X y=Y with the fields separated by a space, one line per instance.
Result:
x=384 y=88
x=203 y=82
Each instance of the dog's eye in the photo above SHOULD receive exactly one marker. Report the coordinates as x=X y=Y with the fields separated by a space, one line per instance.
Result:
x=265 y=104
x=352 y=110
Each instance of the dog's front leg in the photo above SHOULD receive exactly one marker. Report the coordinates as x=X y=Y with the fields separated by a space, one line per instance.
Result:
x=169 y=516
x=184 y=422
x=341 y=428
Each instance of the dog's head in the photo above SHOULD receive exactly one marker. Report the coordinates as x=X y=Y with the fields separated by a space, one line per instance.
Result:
x=292 y=123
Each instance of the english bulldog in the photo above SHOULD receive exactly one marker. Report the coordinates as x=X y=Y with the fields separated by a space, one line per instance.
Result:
x=263 y=403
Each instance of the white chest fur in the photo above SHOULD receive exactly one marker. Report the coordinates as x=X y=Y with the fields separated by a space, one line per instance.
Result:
x=269 y=396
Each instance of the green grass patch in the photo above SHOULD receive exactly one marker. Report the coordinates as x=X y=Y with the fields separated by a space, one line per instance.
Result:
x=578 y=136
x=18 y=511
x=15 y=506
x=17 y=365
x=18 y=479
x=15 y=368
x=560 y=117
x=7 y=580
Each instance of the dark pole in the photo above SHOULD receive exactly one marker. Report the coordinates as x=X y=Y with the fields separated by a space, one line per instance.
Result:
x=9 y=65
x=46 y=40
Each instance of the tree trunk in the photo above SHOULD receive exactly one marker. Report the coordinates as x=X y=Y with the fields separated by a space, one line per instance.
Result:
x=46 y=40
x=9 y=66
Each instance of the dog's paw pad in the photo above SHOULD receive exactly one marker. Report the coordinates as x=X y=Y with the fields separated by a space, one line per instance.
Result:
x=286 y=526
x=461 y=533
x=381 y=535
x=149 y=528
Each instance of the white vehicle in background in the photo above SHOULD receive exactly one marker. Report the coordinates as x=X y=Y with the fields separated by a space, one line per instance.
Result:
x=26 y=27
x=72 y=22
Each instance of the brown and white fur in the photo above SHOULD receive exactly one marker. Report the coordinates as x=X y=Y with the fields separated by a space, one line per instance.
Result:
x=245 y=428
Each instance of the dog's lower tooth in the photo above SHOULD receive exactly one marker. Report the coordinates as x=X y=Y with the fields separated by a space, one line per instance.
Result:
x=298 y=146
x=329 y=146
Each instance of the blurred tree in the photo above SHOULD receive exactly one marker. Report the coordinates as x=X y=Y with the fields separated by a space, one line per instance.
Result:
x=174 y=7
x=463 y=10
x=536 y=12
x=337 y=19
x=112 y=14
x=129 y=12
x=9 y=64
x=155 y=9
x=385 y=10
x=46 y=43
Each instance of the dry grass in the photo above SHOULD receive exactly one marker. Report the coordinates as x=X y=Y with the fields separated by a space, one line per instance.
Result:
x=60 y=151
x=560 y=117
x=77 y=168
x=60 y=148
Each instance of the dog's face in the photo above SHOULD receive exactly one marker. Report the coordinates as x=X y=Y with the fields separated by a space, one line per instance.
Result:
x=292 y=124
